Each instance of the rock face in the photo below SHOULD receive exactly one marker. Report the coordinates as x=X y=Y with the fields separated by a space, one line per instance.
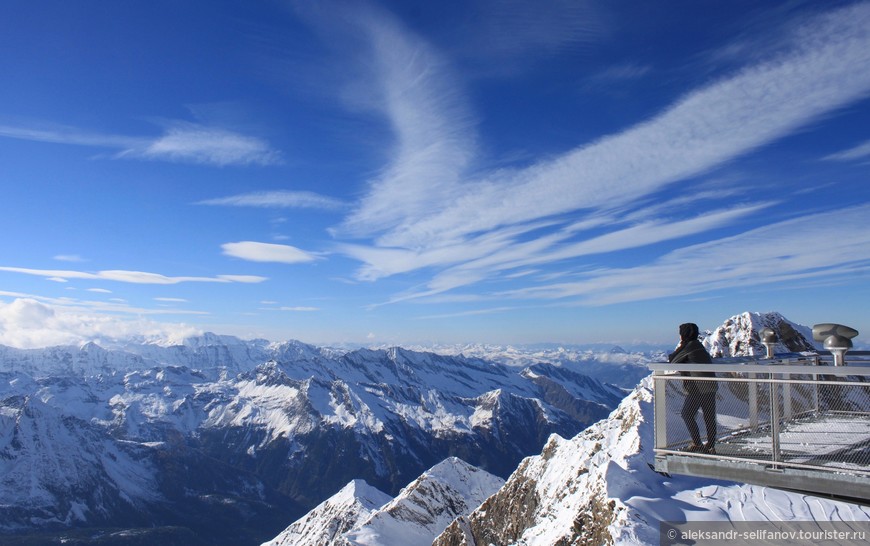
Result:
x=565 y=495
x=738 y=336
x=561 y=496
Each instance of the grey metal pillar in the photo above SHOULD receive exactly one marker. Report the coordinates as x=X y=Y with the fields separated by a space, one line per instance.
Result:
x=660 y=409
x=753 y=403
x=774 y=426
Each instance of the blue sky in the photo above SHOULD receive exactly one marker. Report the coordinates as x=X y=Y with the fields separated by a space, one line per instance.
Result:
x=409 y=172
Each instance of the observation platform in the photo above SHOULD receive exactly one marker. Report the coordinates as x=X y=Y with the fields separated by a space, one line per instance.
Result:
x=797 y=423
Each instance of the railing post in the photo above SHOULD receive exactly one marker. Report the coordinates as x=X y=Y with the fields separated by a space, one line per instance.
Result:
x=815 y=388
x=774 y=424
x=786 y=399
x=753 y=403
x=660 y=385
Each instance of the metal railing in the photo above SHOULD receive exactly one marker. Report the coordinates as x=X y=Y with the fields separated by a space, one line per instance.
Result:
x=799 y=412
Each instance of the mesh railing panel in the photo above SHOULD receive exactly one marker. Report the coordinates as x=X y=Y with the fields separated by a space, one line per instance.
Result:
x=807 y=420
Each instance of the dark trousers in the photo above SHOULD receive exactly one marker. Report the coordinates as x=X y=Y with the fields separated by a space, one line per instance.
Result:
x=706 y=402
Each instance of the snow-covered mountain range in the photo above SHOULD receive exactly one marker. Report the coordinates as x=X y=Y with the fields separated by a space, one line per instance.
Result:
x=222 y=441
x=235 y=438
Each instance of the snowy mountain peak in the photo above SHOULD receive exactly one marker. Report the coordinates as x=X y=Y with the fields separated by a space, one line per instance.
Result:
x=268 y=374
x=424 y=508
x=361 y=515
x=91 y=346
x=455 y=475
x=209 y=338
x=360 y=491
x=450 y=468
x=327 y=523
x=739 y=336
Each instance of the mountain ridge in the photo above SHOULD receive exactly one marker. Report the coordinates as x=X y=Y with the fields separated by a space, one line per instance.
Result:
x=268 y=430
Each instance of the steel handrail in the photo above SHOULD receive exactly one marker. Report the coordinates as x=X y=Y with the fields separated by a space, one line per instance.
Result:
x=761 y=368
x=780 y=377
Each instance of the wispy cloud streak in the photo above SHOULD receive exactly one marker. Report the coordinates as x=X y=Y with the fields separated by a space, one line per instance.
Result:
x=426 y=212
x=552 y=249
x=278 y=199
x=181 y=142
x=69 y=135
x=267 y=252
x=134 y=277
x=69 y=258
x=434 y=136
x=701 y=131
x=194 y=143
x=820 y=245
x=861 y=151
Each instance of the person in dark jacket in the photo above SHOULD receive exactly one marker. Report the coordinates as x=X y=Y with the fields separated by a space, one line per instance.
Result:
x=699 y=394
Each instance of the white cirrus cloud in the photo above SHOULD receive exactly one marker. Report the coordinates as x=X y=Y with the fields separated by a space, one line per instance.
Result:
x=69 y=258
x=413 y=87
x=702 y=130
x=431 y=209
x=822 y=245
x=61 y=134
x=180 y=142
x=246 y=279
x=190 y=142
x=134 y=277
x=278 y=199
x=253 y=251
x=861 y=151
